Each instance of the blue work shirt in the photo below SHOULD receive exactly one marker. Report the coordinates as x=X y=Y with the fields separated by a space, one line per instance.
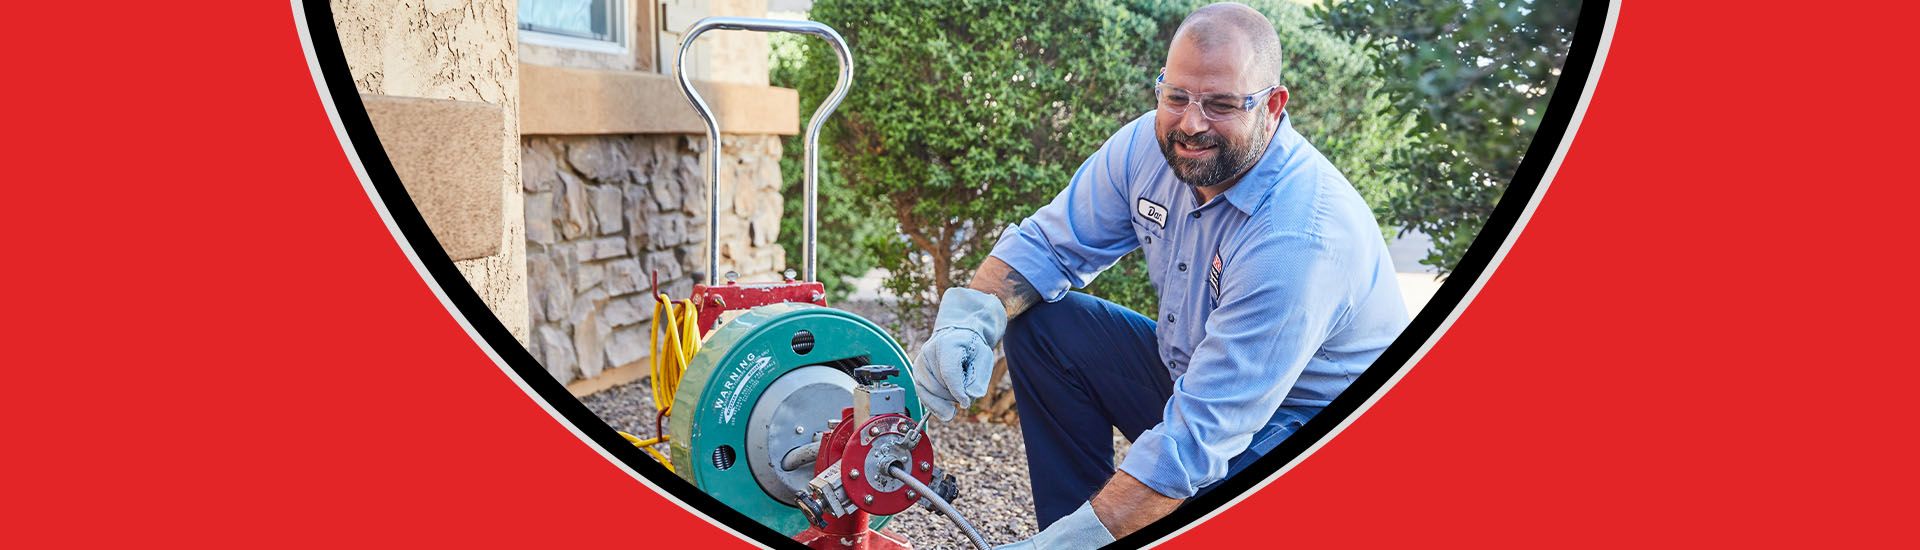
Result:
x=1278 y=292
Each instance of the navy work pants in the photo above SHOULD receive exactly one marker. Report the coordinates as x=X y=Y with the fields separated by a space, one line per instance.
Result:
x=1082 y=367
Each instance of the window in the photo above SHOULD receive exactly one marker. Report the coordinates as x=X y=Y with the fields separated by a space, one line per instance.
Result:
x=596 y=25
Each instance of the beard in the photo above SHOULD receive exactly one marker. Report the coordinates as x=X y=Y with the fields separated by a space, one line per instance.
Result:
x=1229 y=160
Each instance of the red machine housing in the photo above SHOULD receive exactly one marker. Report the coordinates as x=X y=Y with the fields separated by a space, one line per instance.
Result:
x=850 y=531
x=713 y=300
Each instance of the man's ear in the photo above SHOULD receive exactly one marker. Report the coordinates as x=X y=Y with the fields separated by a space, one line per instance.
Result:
x=1276 y=103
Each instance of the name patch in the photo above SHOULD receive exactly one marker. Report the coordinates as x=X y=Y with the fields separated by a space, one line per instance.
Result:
x=1153 y=212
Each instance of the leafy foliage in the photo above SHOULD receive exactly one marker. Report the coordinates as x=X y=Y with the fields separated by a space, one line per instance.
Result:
x=850 y=228
x=967 y=115
x=963 y=116
x=1337 y=103
x=1476 y=76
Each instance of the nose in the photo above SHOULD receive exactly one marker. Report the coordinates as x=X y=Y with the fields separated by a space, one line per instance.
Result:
x=1192 y=122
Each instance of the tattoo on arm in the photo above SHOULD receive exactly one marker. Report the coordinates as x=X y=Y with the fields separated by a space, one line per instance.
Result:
x=999 y=279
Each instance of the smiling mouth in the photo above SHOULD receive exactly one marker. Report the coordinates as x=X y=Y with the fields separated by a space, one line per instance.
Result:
x=1187 y=150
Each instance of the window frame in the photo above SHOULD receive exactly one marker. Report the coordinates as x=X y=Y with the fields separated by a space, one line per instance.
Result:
x=622 y=26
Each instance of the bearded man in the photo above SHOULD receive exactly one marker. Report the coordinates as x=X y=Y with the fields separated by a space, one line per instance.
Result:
x=1275 y=286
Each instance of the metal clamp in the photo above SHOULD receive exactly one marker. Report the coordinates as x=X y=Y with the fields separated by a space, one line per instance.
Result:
x=810 y=224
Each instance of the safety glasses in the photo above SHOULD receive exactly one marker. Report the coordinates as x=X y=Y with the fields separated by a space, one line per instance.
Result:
x=1216 y=107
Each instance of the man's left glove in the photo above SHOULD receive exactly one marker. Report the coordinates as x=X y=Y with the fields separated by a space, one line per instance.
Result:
x=956 y=362
x=1080 y=529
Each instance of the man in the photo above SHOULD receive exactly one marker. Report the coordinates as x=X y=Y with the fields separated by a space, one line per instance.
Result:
x=1275 y=293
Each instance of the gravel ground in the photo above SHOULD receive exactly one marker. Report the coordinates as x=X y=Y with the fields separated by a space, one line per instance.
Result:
x=991 y=464
x=988 y=459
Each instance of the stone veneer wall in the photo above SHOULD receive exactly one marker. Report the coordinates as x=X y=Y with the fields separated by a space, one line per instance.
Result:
x=604 y=213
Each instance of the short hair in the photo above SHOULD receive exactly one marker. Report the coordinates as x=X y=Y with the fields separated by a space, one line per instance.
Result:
x=1214 y=25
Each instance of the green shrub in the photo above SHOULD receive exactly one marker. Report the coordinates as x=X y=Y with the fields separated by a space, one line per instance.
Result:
x=967 y=115
x=1336 y=102
x=1476 y=77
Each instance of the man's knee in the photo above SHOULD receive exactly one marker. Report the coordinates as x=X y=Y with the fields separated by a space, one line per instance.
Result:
x=1045 y=320
x=1042 y=340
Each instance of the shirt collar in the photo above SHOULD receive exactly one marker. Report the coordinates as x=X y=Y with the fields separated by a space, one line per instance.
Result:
x=1260 y=180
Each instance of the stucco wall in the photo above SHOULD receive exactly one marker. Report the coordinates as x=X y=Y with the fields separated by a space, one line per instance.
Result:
x=458 y=50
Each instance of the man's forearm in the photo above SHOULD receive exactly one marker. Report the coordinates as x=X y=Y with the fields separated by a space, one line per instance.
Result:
x=1001 y=280
x=1125 y=505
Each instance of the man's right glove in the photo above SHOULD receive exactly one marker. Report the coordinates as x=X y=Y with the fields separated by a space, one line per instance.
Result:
x=954 y=366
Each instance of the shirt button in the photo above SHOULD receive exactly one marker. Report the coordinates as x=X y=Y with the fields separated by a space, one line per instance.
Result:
x=1196 y=215
x=1169 y=317
x=1183 y=266
x=1149 y=240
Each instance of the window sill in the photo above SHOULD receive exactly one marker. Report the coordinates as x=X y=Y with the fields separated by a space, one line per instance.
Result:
x=568 y=101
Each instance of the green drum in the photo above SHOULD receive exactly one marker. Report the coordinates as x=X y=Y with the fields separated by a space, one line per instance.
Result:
x=761 y=386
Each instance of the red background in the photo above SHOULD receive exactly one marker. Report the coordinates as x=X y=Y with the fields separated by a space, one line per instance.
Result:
x=1698 y=339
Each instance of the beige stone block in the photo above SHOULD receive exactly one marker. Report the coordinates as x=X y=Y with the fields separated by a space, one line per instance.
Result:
x=539 y=166
x=547 y=282
x=629 y=310
x=624 y=276
x=601 y=249
x=666 y=264
x=574 y=206
x=538 y=266
x=449 y=159
x=663 y=231
x=587 y=276
x=554 y=350
x=539 y=218
x=601 y=159
x=627 y=346
x=606 y=209
x=588 y=338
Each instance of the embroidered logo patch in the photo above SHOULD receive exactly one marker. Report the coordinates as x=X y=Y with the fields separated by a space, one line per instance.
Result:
x=1151 y=211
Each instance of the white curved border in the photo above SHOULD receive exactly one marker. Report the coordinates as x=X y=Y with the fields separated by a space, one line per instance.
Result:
x=1559 y=154
x=366 y=183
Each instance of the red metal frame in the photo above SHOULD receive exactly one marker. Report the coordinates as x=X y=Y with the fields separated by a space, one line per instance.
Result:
x=714 y=300
x=859 y=489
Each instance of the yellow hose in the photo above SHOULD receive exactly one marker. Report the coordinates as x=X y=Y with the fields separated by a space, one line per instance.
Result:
x=673 y=349
x=647 y=445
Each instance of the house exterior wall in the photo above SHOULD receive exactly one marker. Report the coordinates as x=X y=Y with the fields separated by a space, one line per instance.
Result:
x=453 y=50
x=590 y=214
x=607 y=211
x=605 y=214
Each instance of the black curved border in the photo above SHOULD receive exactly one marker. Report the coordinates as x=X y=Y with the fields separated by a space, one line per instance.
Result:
x=1506 y=214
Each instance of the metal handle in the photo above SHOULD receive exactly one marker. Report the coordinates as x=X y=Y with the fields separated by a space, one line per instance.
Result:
x=809 y=225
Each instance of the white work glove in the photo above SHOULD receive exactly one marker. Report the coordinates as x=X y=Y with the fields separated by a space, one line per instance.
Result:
x=955 y=364
x=1079 y=530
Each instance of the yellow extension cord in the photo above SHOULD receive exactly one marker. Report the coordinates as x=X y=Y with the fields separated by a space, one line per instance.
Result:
x=673 y=349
